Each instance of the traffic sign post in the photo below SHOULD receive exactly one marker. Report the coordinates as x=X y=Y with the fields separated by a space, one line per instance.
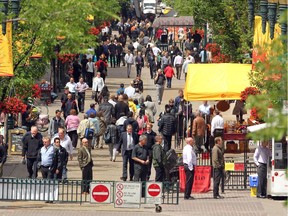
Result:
x=153 y=192
x=127 y=194
x=100 y=193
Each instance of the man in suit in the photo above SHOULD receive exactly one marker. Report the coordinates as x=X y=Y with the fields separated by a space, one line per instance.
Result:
x=86 y=164
x=127 y=142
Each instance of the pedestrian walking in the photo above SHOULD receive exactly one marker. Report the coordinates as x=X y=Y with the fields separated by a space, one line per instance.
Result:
x=159 y=159
x=60 y=159
x=3 y=157
x=150 y=134
x=111 y=135
x=90 y=72
x=261 y=159
x=55 y=123
x=218 y=166
x=167 y=127
x=140 y=156
x=45 y=158
x=139 y=61
x=198 y=132
x=178 y=62
x=129 y=60
x=159 y=81
x=69 y=105
x=169 y=73
x=66 y=143
x=72 y=122
x=189 y=161
x=86 y=164
x=97 y=86
x=32 y=143
x=81 y=88
x=127 y=142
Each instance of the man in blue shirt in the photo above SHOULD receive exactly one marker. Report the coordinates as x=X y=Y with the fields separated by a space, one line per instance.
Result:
x=91 y=110
x=121 y=89
x=46 y=156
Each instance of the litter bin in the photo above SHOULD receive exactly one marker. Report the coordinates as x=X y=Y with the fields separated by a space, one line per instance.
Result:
x=253 y=182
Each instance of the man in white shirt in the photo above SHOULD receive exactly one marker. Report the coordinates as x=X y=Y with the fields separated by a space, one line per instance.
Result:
x=129 y=59
x=156 y=50
x=189 y=60
x=204 y=108
x=81 y=87
x=261 y=159
x=217 y=123
x=72 y=87
x=189 y=161
x=130 y=90
x=178 y=62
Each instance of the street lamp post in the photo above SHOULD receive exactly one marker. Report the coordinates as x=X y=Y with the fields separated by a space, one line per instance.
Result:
x=268 y=12
x=4 y=8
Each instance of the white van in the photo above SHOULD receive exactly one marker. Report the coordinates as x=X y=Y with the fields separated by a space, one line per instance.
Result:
x=149 y=6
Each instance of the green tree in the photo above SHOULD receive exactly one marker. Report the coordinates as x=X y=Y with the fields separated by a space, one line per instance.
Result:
x=42 y=24
x=228 y=20
x=270 y=77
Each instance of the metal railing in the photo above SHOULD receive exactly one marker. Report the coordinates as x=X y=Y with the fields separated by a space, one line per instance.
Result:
x=68 y=190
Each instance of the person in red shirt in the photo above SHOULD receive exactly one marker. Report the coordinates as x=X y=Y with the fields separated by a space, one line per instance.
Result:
x=101 y=66
x=169 y=73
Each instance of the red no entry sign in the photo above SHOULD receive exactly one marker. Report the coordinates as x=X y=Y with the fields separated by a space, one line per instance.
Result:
x=154 y=190
x=100 y=193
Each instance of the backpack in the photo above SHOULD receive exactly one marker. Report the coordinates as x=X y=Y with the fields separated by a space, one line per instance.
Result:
x=141 y=122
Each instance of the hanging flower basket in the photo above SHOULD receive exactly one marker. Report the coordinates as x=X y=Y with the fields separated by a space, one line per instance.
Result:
x=12 y=105
x=249 y=91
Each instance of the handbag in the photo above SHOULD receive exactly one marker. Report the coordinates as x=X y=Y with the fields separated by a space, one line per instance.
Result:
x=89 y=133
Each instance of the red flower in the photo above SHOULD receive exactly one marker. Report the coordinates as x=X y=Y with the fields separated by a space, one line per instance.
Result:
x=249 y=91
x=12 y=105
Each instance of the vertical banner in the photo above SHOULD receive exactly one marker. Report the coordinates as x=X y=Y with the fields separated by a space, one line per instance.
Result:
x=6 y=63
x=9 y=39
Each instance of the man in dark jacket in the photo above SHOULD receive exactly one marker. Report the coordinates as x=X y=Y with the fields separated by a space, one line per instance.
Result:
x=121 y=107
x=107 y=109
x=131 y=121
x=150 y=134
x=159 y=159
x=3 y=157
x=167 y=127
x=112 y=53
x=127 y=142
x=32 y=143
x=60 y=158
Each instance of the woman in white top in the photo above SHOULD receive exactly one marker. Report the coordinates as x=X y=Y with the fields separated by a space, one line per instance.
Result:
x=97 y=86
x=150 y=108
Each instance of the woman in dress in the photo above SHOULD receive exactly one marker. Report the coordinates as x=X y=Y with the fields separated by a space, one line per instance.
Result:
x=150 y=108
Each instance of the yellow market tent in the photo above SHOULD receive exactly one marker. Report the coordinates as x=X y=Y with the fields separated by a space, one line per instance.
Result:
x=216 y=81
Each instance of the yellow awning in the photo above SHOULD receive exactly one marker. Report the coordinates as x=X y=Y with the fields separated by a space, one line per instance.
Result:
x=216 y=81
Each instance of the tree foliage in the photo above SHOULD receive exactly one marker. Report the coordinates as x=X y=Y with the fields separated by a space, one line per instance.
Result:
x=228 y=20
x=47 y=24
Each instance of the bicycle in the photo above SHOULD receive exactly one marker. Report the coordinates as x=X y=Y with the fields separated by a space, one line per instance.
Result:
x=40 y=114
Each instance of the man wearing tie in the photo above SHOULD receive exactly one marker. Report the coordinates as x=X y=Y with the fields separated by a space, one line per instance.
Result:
x=86 y=164
x=261 y=159
x=127 y=141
